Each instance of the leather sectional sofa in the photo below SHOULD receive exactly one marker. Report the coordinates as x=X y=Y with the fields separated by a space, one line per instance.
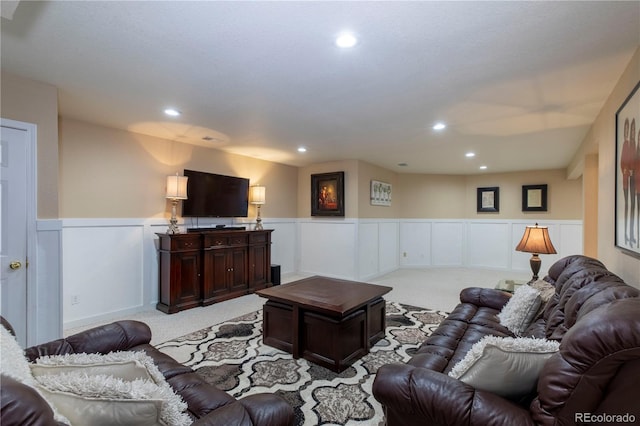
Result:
x=593 y=314
x=207 y=405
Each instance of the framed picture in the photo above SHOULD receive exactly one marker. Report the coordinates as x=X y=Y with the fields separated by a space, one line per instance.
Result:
x=627 y=220
x=488 y=199
x=327 y=194
x=380 y=193
x=534 y=198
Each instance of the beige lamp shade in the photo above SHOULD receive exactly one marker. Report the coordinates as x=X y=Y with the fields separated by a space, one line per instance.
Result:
x=536 y=240
x=257 y=194
x=177 y=187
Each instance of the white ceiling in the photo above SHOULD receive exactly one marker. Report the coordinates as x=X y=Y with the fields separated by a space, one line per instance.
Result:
x=518 y=83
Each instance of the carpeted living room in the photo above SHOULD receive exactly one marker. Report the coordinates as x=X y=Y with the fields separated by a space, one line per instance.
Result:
x=302 y=213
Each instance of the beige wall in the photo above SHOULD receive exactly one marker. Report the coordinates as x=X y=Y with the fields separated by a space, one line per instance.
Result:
x=109 y=173
x=37 y=103
x=444 y=196
x=602 y=135
x=450 y=196
x=366 y=173
x=590 y=195
x=431 y=196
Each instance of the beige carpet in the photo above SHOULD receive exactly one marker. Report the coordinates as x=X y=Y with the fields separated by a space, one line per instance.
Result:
x=437 y=288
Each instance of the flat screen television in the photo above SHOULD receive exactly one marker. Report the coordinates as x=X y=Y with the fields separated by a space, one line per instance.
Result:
x=212 y=195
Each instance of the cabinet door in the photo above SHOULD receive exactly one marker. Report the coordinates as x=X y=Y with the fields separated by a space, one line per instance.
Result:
x=237 y=269
x=258 y=267
x=216 y=273
x=186 y=267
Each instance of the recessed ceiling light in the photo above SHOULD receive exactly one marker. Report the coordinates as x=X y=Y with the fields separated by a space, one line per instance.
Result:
x=439 y=126
x=302 y=149
x=172 y=112
x=346 y=40
x=470 y=154
x=483 y=167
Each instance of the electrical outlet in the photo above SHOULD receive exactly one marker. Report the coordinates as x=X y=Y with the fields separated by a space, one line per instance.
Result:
x=75 y=299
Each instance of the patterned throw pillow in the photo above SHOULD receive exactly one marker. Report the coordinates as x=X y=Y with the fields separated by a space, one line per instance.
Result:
x=546 y=290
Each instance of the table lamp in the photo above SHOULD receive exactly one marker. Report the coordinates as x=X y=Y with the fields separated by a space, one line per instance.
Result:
x=176 y=190
x=257 y=196
x=536 y=241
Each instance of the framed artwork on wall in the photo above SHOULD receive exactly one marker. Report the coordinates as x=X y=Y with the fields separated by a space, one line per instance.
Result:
x=627 y=190
x=327 y=194
x=488 y=200
x=380 y=193
x=534 y=198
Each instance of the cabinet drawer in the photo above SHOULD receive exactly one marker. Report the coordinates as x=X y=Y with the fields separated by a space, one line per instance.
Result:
x=258 y=237
x=224 y=240
x=191 y=243
x=215 y=240
x=238 y=240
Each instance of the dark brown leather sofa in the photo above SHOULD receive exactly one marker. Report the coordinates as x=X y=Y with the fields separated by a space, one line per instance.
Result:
x=206 y=404
x=595 y=316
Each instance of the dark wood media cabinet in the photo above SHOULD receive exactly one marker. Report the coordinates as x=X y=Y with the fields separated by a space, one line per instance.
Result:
x=208 y=266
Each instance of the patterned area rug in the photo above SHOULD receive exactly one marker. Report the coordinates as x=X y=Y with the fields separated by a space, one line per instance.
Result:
x=232 y=357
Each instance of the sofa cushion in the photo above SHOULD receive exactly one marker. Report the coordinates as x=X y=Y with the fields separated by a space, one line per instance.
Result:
x=505 y=366
x=521 y=309
x=454 y=337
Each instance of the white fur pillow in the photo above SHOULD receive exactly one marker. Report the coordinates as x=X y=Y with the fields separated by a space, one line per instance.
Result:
x=521 y=309
x=13 y=363
x=116 y=388
x=127 y=365
x=107 y=400
x=506 y=366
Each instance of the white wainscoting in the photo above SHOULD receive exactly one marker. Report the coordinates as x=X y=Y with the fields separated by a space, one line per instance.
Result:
x=328 y=247
x=378 y=245
x=48 y=297
x=110 y=266
x=480 y=243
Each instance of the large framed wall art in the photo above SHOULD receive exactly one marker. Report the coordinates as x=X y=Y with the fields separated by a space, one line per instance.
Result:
x=327 y=194
x=627 y=190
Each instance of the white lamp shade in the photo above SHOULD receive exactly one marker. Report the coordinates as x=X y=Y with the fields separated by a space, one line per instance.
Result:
x=177 y=187
x=257 y=194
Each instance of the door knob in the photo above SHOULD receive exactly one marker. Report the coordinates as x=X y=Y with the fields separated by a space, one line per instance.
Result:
x=15 y=265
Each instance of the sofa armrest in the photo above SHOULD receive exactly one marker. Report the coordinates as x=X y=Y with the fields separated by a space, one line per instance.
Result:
x=22 y=405
x=258 y=409
x=489 y=297
x=117 y=336
x=414 y=395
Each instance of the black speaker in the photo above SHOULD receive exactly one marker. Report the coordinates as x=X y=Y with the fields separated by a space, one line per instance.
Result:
x=275 y=274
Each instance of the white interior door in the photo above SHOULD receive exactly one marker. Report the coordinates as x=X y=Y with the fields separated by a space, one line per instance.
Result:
x=14 y=147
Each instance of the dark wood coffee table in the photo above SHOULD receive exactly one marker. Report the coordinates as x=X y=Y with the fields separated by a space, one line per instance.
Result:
x=327 y=321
